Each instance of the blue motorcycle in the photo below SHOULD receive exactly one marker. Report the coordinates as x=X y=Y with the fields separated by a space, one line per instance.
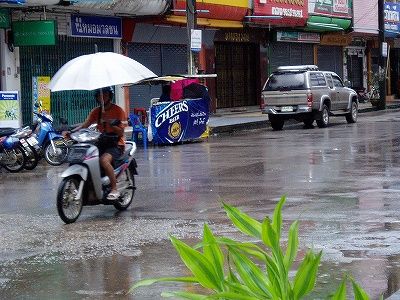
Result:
x=54 y=147
x=12 y=154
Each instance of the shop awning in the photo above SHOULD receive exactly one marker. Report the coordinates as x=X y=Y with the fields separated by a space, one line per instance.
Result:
x=327 y=24
x=119 y=7
x=213 y=23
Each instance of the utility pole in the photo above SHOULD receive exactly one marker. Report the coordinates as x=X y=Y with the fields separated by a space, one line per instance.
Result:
x=382 y=55
x=191 y=17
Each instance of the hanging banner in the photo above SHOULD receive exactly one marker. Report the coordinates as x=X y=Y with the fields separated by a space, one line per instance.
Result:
x=331 y=8
x=98 y=27
x=9 y=109
x=41 y=94
x=179 y=121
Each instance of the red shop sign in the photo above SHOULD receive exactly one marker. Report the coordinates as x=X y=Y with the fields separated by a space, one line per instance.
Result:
x=292 y=12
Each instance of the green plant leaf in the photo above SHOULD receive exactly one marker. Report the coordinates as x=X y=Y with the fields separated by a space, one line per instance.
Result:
x=252 y=276
x=306 y=274
x=359 y=293
x=243 y=222
x=277 y=218
x=184 y=295
x=213 y=252
x=269 y=236
x=340 y=293
x=150 y=281
x=231 y=296
x=198 y=264
x=293 y=244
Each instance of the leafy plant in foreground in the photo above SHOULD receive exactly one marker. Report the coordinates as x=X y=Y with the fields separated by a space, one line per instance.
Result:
x=248 y=271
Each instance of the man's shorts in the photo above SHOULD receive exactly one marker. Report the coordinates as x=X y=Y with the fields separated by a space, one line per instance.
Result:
x=115 y=152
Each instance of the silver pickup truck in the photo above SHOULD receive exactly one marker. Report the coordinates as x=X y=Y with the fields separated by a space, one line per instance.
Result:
x=306 y=94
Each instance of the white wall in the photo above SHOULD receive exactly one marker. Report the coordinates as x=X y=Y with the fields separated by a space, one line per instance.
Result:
x=365 y=16
x=10 y=71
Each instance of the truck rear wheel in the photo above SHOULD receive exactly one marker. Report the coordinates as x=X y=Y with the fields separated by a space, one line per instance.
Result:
x=323 y=121
x=276 y=122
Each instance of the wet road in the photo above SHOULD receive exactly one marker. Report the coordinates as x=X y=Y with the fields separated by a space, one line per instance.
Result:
x=342 y=183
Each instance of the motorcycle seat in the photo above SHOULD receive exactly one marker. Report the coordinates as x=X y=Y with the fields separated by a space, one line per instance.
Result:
x=7 y=131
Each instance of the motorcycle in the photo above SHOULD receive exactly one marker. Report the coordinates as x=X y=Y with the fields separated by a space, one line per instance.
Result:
x=30 y=145
x=12 y=154
x=84 y=183
x=55 y=148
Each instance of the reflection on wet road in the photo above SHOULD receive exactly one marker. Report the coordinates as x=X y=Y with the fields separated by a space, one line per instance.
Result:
x=342 y=183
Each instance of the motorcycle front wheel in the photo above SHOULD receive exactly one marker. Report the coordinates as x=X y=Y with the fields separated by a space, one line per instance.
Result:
x=16 y=159
x=58 y=155
x=68 y=206
x=126 y=185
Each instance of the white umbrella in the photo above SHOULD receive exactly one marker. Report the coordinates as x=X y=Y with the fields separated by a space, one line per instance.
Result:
x=97 y=70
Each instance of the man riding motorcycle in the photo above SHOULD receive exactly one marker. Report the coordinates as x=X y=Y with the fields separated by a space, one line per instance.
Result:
x=109 y=118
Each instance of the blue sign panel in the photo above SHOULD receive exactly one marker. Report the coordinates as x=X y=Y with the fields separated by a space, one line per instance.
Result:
x=13 y=1
x=179 y=121
x=392 y=19
x=93 y=26
x=8 y=95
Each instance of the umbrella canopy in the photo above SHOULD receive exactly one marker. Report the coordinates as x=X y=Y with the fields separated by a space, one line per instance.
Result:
x=97 y=70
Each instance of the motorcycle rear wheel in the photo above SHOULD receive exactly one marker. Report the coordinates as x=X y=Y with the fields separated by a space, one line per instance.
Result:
x=19 y=156
x=32 y=159
x=126 y=179
x=58 y=156
x=69 y=208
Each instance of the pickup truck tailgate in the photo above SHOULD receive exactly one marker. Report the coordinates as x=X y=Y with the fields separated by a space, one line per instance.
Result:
x=284 y=98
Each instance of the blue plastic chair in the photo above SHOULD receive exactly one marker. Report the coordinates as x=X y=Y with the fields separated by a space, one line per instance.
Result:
x=138 y=128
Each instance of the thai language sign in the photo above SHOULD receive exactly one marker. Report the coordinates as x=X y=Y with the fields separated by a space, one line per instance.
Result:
x=298 y=37
x=285 y=12
x=34 y=33
x=93 y=26
x=331 y=8
x=179 y=121
x=9 y=109
x=392 y=17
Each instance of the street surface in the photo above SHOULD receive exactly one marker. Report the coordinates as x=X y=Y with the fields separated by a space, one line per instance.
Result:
x=342 y=183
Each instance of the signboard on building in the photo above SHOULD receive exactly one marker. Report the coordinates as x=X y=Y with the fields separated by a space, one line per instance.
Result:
x=34 y=33
x=9 y=109
x=195 y=40
x=298 y=37
x=392 y=18
x=277 y=12
x=96 y=27
x=41 y=94
x=4 y=18
x=331 y=8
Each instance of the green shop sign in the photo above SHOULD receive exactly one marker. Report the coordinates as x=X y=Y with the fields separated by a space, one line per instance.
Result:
x=34 y=33
x=4 y=18
x=338 y=8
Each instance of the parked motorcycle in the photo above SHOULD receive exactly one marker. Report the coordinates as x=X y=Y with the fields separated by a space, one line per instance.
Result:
x=84 y=183
x=12 y=154
x=54 y=147
x=30 y=145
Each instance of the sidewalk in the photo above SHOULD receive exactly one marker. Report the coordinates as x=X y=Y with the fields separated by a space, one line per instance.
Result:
x=226 y=121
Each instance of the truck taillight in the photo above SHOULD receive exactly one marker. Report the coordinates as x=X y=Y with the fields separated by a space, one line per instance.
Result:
x=309 y=100
x=262 y=104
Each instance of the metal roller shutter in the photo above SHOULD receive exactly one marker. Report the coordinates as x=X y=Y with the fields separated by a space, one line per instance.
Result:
x=162 y=60
x=330 y=58
x=289 y=54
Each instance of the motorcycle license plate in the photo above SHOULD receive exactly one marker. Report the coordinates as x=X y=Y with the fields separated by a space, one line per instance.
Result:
x=286 y=108
x=32 y=141
x=23 y=142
